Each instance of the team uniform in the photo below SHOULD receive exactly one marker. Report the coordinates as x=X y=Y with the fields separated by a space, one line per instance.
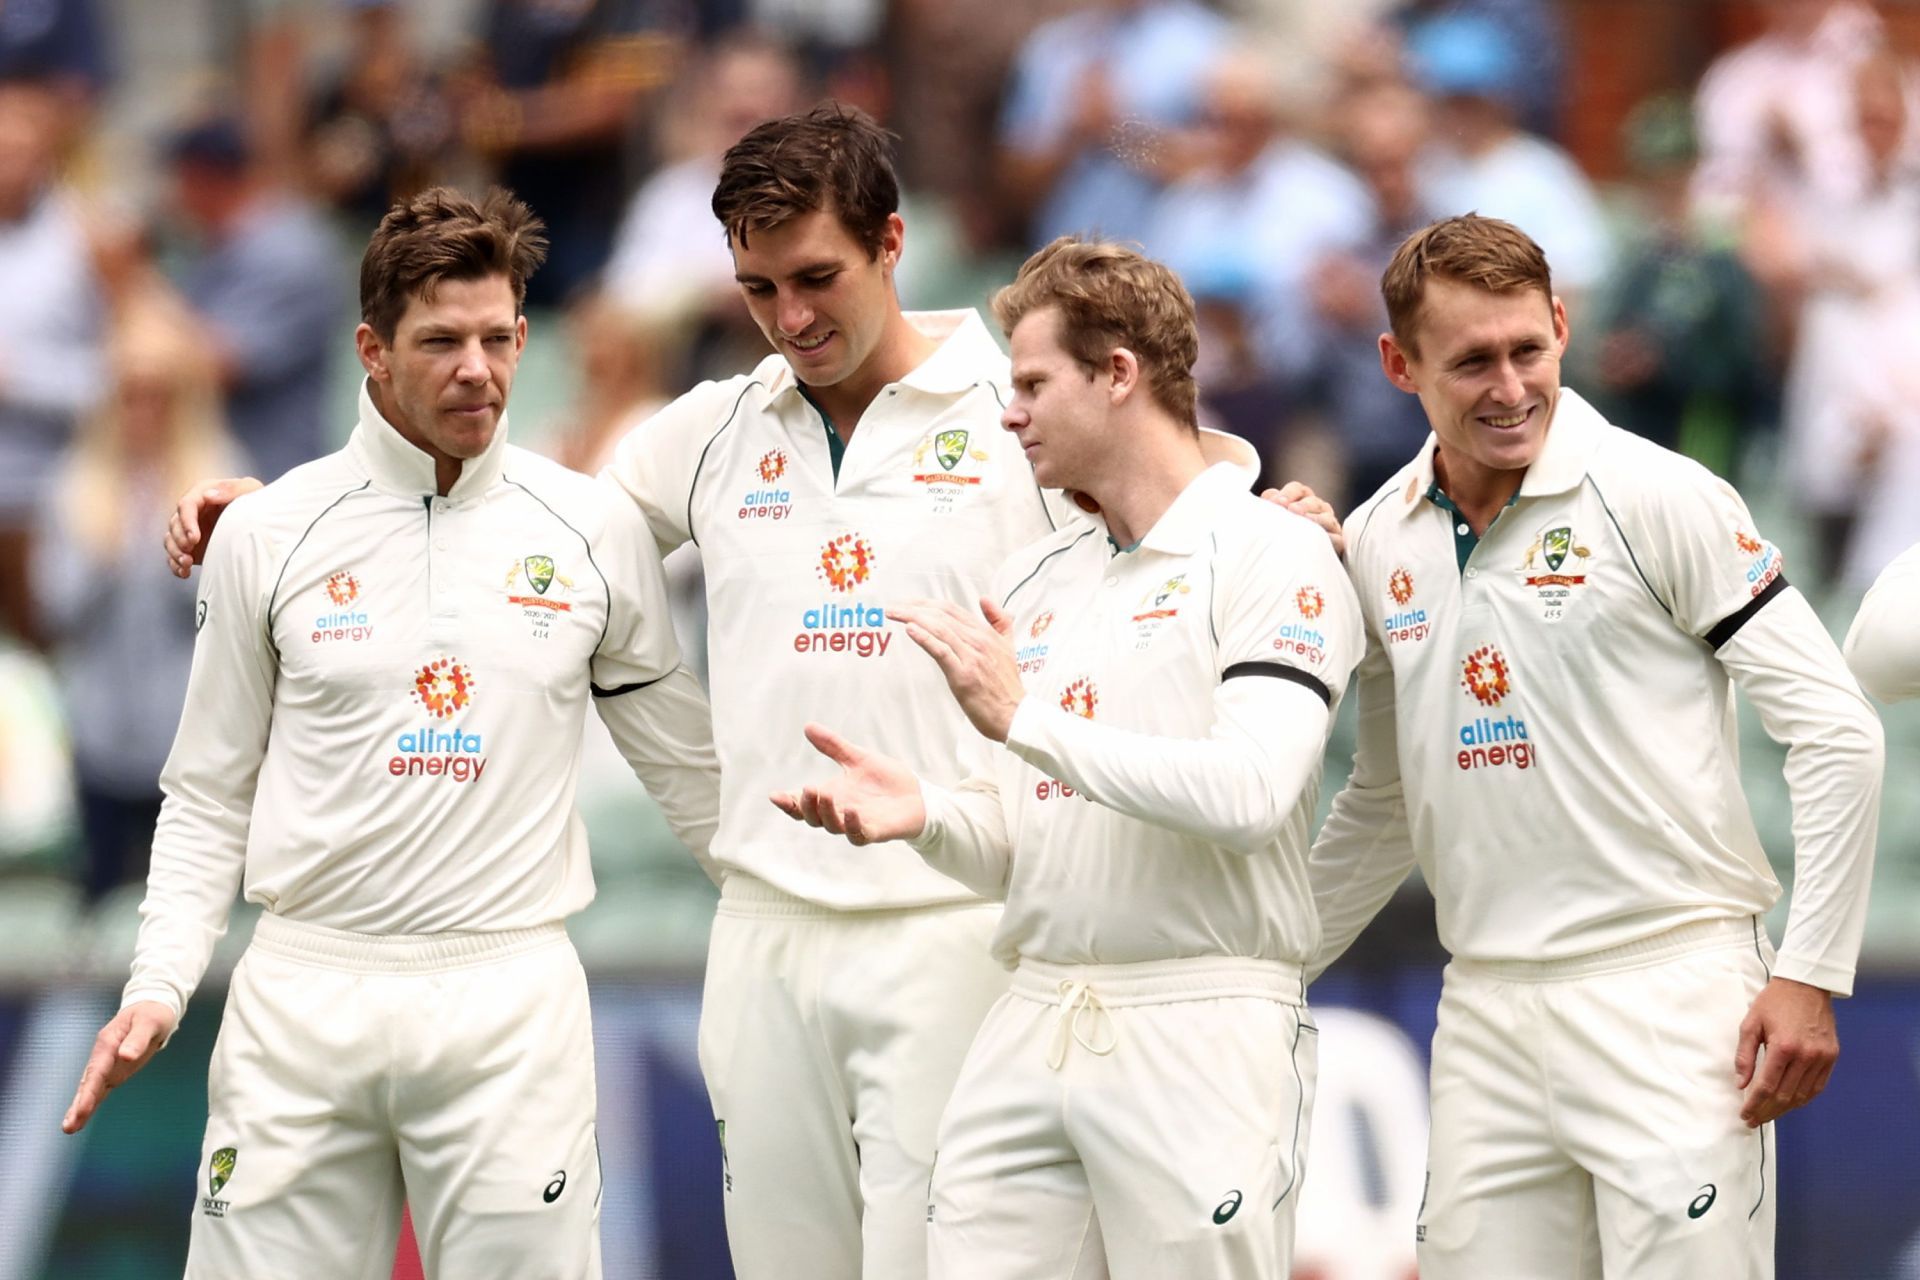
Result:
x=381 y=736
x=1140 y=1099
x=1883 y=645
x=1546 y=725
x=843 y=984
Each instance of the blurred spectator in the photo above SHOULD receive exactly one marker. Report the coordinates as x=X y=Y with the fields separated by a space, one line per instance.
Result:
x=1856 y=261
x=1484 y=163
x=384 y=129
x=670 y=252
x=1776 y=114
x=122 y=625
x=1681 y=344
x=549 y=103
x=1259 y=203
x=266 y=280
x=1084 y=142
x=1376 y=426
x=49 y=358
x=1532 y=25
x=56 y=43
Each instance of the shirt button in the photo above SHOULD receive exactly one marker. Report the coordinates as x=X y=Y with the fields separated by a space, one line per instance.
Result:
x=1463 y=529
x=439 y=544
x=1113 y=582
x=1473 y=573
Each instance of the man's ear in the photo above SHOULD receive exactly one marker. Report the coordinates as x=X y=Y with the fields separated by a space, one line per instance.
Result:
x=1123 y=371
x=1393 y=363
x=372 y=352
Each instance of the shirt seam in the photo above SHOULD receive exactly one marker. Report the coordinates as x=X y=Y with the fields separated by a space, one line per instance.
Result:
x=693 y=484
x=274 y=595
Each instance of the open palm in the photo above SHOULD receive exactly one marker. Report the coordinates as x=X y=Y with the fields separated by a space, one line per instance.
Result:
x=874 y=798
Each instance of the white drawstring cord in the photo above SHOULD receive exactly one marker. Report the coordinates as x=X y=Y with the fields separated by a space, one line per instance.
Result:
x=1077 y=1000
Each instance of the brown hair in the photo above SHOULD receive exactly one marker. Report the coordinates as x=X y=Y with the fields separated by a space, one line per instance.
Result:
x=1483 y=252
x=1112 y=296
x=441 y=234
x=832 y=157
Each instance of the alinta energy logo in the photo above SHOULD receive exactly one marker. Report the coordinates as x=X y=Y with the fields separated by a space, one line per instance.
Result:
x=1302 y=640
x=444 y=687
x=1407 y=624
x=854 y=626
x=343 y=621
x=1033 y=656
x=1309 y=602
x=1082 y=697
x=1489 y=741
x=343 y=588
x=770 y=501
x=1767 y=563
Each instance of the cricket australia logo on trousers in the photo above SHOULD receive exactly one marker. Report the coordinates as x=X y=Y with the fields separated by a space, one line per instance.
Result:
x=220 y=1168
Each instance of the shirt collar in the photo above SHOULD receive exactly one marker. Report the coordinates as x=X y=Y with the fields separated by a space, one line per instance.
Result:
x=1573 y=432
x=1181 y=526
x=396 y=466
x=955 y=365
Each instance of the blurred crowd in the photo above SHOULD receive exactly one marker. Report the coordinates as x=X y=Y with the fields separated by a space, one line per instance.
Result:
x=185 y=184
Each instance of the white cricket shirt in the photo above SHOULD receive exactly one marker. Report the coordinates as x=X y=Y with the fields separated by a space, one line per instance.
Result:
x=1155 y=799
x=1883 y=645
x=383 y=724
x=1547 y=723
x=804 y=549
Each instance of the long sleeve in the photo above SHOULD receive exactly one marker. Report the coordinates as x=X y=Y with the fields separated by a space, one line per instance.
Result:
x=652 y=705
x=1365 y=847
x=1787 y=665
x=1725 y=583
x=966 y=836
x=200 y=845
x=1883 y=645
x=1234 y=788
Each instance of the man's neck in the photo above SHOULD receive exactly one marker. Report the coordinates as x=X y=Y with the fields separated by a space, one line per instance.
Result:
x=901 y=350
x=1156 y=470
x=1480 y=493
x=446 y=470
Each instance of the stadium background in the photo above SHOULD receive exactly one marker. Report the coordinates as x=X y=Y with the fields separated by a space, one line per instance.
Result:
x=604 y=114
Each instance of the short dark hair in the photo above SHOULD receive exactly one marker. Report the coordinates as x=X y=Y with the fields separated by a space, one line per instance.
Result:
x=1483 y=252
x=1111 y=295
x=443 y=234
x=832 y=157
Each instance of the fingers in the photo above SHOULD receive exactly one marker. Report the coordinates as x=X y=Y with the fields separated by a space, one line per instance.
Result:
x=1748 y=1053
x=787 y=803
x=1288 y=494
x=997 y=618
x=1758 y=1106
x=96 y=1078
x=937 y=648
x=832 y=745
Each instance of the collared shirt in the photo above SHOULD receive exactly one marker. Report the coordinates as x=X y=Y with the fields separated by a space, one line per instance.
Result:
x=802 y=560
x=1160 y=778
x=383 y=720
x=1547 y=725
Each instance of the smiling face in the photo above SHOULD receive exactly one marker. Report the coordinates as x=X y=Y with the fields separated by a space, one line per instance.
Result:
x=1487 y=372
x=821 y=299
x=443 y=379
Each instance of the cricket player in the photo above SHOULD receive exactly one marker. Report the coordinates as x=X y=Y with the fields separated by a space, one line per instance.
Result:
x=1557 y=613
x=1163 y=680
x=380 y=744
x=1881 y=646
x=860 y=464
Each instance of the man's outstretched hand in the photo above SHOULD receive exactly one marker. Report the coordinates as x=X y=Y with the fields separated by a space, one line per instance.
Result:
x=126 y=1044
x=193 y=519
x=875 y=797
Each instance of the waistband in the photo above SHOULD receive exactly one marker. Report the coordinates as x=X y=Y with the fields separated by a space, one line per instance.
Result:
x=746 y=895
x=398 y=953
x=1738 y=933
x=1163 y=981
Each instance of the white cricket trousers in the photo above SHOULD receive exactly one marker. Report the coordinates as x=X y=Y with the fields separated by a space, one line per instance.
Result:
x=454 y=1071
x=1141 y=1121
x=830 y=1041
x=1586 y=1122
